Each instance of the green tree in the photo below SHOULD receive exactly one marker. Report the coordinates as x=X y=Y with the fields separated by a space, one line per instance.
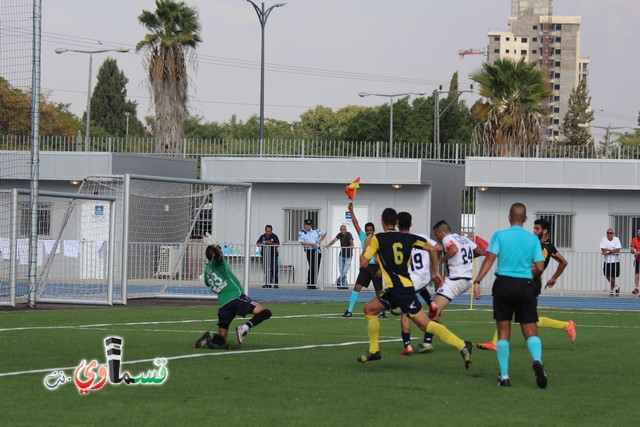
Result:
x=508 y=119
x=630 y=139
x=109 y=105
x=368 y=125
x=15 y=114
x=456 y=121
x=196 y=127
x=319 y=123
x=174 y=33
x=575 y=125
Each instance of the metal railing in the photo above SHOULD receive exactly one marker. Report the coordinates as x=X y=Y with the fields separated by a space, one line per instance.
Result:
x=194 y=148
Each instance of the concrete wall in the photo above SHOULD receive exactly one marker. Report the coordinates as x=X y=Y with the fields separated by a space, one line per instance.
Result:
x=429 y=191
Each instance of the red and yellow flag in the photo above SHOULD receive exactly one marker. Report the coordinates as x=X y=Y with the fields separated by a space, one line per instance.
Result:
x=350 y=189
x=482 y=244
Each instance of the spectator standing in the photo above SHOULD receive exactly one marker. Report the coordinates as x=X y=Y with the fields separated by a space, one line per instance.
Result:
x=269 y=243
x=311 y=238
x=344 y=259
x=610 y=247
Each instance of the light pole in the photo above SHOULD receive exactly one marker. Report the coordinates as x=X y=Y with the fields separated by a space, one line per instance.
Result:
x=437 y=113
x=90 y=53
x=263 y=15
x=390 y=96
x=126 y=128
x=607 y=132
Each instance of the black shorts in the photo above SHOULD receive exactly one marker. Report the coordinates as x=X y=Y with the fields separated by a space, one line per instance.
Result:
x=636 y=263
x=537 y=284
x=517 y=296
x=405 y=299
x=368 y=275
x=611 y=269
x=240 y=306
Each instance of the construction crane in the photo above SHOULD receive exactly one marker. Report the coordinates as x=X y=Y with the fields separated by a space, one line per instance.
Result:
x=483 y=51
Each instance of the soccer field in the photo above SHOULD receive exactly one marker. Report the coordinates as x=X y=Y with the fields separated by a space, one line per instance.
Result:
x=299 y=368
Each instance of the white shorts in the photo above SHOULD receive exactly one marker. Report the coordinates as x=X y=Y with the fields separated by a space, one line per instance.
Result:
x=452 y=288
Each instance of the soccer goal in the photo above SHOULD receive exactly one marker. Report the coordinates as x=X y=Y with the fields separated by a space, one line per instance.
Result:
x=160 y=227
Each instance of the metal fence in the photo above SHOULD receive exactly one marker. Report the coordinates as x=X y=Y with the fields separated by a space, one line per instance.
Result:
x=194 y=148
x=583 y=275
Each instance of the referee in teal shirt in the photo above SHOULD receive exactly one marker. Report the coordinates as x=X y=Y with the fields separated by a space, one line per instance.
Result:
x=520 y=260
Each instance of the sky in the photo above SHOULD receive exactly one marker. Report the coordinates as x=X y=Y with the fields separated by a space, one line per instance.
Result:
x=324 y=52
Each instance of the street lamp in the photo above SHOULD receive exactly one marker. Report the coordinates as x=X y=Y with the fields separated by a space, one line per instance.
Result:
x=437 y=113
x=363 y=94
x=90 y=53
x=126 y=128
x=263 y=15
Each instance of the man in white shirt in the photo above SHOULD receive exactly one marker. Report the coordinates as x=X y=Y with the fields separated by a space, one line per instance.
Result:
x=610 y=247
x=459 y=253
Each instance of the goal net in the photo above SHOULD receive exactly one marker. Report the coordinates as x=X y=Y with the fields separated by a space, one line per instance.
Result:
x=160 y=225
x=71 y=267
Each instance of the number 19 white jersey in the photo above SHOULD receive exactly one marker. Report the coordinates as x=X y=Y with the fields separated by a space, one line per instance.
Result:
x=420 y=271
x=460 y=266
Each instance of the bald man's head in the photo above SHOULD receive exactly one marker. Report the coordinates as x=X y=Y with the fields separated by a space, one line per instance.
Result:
x=518 y=213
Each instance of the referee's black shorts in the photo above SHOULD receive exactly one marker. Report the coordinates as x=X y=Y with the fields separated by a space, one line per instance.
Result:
x=512 y=295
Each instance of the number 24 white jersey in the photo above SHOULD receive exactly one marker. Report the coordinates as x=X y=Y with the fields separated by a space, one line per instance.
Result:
x=420 y=270
x=460 y=266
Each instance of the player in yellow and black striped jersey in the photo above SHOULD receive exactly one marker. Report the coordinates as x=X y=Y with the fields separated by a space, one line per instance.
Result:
x=394 y=254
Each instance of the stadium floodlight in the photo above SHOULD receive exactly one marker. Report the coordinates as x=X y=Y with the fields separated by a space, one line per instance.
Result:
x=263 y=15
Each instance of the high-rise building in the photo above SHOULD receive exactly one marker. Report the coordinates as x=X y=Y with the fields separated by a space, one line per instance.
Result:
x=553 y=42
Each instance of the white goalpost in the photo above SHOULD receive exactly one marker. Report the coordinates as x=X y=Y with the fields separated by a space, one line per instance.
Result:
x=164 y=220
x=71 y=269
x=160 y=225
x=156 y=225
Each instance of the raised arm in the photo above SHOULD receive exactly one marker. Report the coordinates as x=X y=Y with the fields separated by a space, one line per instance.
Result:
x=354 y=219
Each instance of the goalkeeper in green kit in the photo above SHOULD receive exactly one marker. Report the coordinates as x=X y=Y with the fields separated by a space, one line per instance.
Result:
x=220 y=279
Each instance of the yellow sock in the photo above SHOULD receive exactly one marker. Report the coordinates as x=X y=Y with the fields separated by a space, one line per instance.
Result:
x=373 y=329
x=445 y=335
x=545 y=322
x=495 y=337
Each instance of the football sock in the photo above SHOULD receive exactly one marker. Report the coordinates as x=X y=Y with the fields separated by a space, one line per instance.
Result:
x=424 y=293
x=373 y=329
x=259 y=318
x=353 y=300
x=445 y=335
x=503 y=350
x=217 y=342
x=495 y=337
x=545 y=322
x=428 y=338
x=534 y=344
x=406 y=338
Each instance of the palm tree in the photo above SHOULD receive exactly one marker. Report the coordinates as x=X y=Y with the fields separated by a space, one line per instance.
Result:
x=174 y=32
x=509 y=118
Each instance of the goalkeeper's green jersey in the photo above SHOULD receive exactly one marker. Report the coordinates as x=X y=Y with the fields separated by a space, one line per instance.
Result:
x=221 y=280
